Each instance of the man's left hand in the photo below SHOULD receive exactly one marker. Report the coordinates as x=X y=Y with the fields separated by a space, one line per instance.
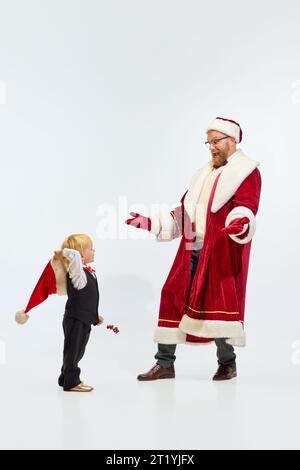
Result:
x=237 y=226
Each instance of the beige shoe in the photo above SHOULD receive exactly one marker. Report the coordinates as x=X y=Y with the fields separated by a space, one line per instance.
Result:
x=81 y=388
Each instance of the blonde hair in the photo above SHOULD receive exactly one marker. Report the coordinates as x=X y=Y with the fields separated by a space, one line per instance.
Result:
x=77 y=241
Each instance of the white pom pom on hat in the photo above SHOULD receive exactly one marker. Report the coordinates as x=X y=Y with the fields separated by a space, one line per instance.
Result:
x=228 y=127
x=21 y=317
x=51 y=281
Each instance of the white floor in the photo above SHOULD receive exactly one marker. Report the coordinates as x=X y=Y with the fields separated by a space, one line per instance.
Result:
x=260 y=409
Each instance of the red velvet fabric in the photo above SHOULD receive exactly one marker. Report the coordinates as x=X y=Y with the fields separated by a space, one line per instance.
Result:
x=236 y=226
x=46 y=286
x=219 y=286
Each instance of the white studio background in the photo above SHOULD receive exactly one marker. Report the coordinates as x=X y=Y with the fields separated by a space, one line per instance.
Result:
x=104 y=106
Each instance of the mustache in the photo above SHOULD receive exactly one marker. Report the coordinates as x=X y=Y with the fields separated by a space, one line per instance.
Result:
x=220 y=160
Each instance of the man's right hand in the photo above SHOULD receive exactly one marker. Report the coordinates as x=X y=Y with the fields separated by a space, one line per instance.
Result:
x=139 y=221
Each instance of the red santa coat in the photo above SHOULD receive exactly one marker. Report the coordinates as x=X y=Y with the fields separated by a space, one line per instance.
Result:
x=214 y=305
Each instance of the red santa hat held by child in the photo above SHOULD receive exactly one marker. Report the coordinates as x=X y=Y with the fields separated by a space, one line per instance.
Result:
x=228 y=127
x=52 y=281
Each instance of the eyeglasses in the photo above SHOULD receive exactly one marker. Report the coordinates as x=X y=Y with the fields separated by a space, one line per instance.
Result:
x=215 y=142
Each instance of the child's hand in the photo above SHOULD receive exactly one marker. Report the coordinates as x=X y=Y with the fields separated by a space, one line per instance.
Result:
x=58 y=255
x=101 y=319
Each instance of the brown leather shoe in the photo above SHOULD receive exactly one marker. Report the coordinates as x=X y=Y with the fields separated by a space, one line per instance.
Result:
x=158 y=372
x=225 y=372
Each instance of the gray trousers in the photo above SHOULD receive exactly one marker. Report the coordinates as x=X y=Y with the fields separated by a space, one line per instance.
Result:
x=165 y=355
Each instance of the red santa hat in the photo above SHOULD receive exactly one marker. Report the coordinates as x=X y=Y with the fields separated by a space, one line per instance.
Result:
x=228 y=127
x=52 y=281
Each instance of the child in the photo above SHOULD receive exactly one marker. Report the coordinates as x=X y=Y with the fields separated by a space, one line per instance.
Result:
x=81 y=309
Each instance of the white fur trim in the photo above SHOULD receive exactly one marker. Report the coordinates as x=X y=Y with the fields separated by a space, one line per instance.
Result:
x=169 y=335
x=21 y=317
x=226 y=127
x=193 y=194
x=237 y=212
x=60 y=276
x=240 y=342
x=164 y=335
x=167 y=227
x=234 y=173
x=239 y=166
x=155 y=224
x=233 y=330
x=162 y=225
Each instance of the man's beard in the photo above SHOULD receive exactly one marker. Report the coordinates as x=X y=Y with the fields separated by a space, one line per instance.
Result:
x=219 y=158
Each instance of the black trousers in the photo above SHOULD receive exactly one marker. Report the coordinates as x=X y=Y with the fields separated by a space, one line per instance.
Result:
x=165 y=355
x=77 y=335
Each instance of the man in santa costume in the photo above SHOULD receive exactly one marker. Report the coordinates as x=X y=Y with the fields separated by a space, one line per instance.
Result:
x=203 y=298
